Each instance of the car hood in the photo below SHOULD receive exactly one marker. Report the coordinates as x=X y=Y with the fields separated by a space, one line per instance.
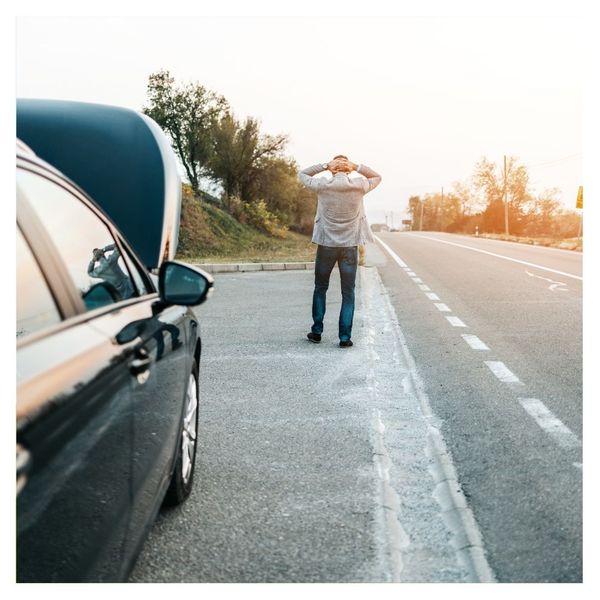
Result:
x=120 y=158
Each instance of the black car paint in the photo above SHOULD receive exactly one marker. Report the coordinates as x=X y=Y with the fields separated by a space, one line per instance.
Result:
x=112 y=153
x=101 y=440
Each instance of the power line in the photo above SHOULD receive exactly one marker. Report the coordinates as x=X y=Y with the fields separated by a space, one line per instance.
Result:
x=554 y=161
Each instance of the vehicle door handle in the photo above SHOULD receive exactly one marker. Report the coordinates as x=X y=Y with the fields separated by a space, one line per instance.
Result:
x=23 y=467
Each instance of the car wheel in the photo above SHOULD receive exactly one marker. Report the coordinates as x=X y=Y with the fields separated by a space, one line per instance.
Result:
x=183 y=474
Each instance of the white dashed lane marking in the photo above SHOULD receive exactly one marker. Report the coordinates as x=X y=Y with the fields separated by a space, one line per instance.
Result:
x=474 y=341
x=502 y=372
x=455 y=322
x=552 y=425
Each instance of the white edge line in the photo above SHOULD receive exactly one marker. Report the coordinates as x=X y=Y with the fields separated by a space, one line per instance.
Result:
x=516 y=260
x=391 y=252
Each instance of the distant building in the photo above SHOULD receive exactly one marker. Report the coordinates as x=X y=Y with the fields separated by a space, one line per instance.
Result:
x=379 y=227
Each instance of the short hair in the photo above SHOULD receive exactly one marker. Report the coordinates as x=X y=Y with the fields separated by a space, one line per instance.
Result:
x=340 y=156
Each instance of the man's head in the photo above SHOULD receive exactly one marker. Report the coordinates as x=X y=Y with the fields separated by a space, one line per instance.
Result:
x=340 y=164
x=97 y=253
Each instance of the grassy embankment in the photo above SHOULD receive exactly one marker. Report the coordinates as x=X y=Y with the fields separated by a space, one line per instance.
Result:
x=211 y=235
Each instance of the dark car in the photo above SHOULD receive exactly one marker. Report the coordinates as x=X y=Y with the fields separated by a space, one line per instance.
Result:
x=108 y=359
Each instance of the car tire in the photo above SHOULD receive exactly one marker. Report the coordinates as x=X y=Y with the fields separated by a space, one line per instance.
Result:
x=183 y=474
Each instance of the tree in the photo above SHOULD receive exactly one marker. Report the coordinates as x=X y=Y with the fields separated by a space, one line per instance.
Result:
x=490 y=180
x=542 y=218
x=414 y=208
x=277 y=183
x=188 y=114
x=239 y=154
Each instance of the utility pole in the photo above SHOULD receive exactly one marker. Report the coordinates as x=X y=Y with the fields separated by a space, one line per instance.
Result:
x=505 y=201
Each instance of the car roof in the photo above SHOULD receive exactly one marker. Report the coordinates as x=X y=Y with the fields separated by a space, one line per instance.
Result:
x=119 y=157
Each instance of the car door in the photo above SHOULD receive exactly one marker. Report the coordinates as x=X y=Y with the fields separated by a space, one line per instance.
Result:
x=74 y=418
x=167 y=335
x=155 y=345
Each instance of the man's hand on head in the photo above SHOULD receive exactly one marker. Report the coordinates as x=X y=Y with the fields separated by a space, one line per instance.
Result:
x=338 y=165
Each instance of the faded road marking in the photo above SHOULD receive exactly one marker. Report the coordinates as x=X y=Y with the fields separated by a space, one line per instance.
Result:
x=417 y=280
x=441 y=307
x=474 y=341
x=502 y=372
x=544 y=417
x=424 y=287
x=555 y=285
x=455 y=322
x=432 y=296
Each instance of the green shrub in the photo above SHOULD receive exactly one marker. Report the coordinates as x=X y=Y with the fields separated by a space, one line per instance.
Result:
x=259 y=216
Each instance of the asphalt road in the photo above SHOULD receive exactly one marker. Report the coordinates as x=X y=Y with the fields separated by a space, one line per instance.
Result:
x=315 y=463
x=511 y=413
x=427 y=452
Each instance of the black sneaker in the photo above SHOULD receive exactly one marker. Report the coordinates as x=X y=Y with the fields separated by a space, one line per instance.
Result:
x=346 y=344
x=315 y=338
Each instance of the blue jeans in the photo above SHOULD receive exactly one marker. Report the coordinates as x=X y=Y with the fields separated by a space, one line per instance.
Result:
x=347 y=259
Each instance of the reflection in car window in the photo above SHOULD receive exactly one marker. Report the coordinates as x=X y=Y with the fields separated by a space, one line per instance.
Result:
x=35 y=306
x=83 y=241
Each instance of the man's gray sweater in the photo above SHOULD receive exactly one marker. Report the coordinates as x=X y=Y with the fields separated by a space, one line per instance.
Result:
x=340 y=220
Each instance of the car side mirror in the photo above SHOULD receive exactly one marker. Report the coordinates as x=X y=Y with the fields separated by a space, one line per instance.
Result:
x=100 y=294
x=179 y=283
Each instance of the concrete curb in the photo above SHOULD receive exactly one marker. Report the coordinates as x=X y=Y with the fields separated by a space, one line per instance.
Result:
x=456 y=512
x=246 y=267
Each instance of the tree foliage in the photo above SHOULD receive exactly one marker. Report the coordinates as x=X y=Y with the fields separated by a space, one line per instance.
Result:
x=480 y=202
x=239 y=155
x=188 y=114
x=256 y=181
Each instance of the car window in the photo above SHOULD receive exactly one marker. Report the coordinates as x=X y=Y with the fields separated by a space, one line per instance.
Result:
x=82 y=239
x=36 y=308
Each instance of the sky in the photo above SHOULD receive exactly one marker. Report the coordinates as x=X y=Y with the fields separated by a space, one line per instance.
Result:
x=418 y=99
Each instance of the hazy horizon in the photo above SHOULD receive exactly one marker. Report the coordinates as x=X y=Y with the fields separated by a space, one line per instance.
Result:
x=420 y=100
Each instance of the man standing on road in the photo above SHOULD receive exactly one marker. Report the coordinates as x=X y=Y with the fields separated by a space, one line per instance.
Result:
x=340 y=227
